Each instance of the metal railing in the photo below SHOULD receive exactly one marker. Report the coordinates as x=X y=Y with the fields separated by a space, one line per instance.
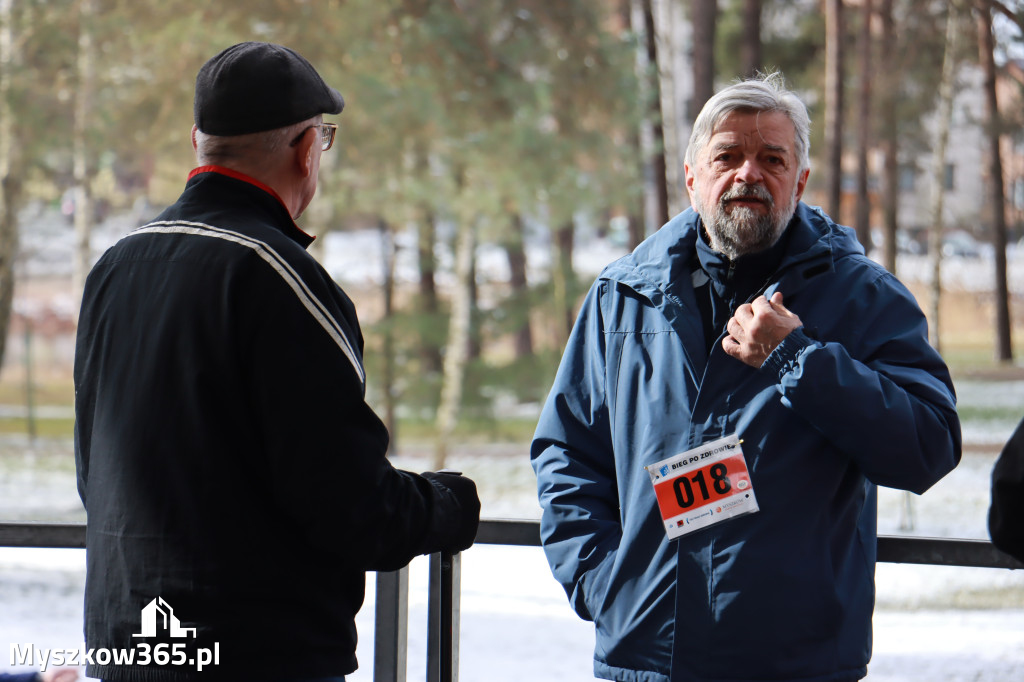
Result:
x=391 y=618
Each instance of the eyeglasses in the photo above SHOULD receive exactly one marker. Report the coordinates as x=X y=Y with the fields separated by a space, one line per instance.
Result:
x=327 y=131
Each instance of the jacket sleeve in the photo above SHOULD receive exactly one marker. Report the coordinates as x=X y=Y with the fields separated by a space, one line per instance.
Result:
x=879 y=393
x=1006 y=514
x=325 y=449
x=573 y=460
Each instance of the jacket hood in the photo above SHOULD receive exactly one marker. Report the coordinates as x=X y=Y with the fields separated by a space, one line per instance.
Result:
x=663 y=261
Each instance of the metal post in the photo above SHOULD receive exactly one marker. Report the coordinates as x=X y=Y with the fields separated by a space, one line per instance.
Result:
x=30 y=402
x=443 y=618
x=391 y=626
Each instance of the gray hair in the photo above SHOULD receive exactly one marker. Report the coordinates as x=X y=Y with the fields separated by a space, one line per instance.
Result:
x=252 y=147
x=767 y=93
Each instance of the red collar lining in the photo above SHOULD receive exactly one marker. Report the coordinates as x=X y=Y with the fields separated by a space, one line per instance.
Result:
x=231 y=173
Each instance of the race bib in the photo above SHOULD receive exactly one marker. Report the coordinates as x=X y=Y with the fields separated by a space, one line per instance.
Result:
x=703 y=486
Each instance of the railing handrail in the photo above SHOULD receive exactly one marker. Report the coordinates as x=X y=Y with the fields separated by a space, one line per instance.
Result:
x=897 y=549
x=392 y=600
x=42 y=534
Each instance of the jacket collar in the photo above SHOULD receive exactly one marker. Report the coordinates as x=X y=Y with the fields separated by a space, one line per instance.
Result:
x=747 y=274
x=660 y=269
x=664 y=260
x=259 y=193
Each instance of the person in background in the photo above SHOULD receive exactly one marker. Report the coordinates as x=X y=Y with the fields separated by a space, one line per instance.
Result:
x=1006 y=513
x=730 y=396
x=234 y=476
x=60 y=675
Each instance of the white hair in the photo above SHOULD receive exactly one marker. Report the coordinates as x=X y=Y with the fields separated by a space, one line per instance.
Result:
x=218 y=149
x=767 y=93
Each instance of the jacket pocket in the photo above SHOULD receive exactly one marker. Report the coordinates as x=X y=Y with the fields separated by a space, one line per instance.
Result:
x=593 y=588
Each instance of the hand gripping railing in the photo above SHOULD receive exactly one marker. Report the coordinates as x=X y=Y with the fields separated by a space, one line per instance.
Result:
x=443 y=611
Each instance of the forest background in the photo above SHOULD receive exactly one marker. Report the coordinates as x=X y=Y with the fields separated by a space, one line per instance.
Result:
x=528 y=129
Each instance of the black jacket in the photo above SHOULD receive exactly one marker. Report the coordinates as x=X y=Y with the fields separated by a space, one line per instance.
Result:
x=1006 y=513
x=227 y=459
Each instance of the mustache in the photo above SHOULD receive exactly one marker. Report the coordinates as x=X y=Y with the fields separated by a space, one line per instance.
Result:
x=746 y=191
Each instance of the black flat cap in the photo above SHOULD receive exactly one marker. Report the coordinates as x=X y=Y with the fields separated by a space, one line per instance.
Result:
x=252 y=87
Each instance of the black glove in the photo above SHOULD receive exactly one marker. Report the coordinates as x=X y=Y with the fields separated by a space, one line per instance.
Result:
x=460 y=519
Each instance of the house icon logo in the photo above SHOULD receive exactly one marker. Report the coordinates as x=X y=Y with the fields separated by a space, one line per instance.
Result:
x=158 y=617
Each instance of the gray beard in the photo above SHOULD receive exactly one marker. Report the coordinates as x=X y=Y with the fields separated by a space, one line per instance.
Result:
x=744 y=230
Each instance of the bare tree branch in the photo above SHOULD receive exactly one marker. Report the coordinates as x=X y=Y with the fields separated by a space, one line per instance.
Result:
x=997 y=6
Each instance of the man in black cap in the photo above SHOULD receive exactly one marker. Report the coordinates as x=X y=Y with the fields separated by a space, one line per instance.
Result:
x=235 y=478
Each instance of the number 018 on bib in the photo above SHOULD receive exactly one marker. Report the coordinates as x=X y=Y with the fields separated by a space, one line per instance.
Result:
x=703 y=486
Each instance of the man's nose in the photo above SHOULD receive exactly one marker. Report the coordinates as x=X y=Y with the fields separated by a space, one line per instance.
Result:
x=749 y=172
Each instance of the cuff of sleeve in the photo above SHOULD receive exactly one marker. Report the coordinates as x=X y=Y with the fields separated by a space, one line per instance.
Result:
x=455 y=515
x=784 y=358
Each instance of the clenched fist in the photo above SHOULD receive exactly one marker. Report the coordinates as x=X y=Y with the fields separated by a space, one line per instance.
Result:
x=757 y=328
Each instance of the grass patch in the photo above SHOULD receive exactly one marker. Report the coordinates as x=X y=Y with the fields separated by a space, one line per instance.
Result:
x=1005 y=597
x=55 y=391
x=44 y=428
x=988 y=413
x=969 y=362
x=471 y=430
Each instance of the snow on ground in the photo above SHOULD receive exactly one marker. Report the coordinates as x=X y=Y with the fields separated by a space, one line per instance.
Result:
x=526 y=631
x=516 y=624
x=933 y=623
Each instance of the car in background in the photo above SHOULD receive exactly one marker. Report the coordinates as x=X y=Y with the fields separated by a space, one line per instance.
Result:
x=961 y=244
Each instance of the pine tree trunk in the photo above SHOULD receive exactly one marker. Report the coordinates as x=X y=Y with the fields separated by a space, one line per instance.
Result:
x=655 y=129
x=671 y=34
x=456 y=353
x=516 y=253
x=387 y=243
x=834 y=106
x=8 y=180
x=704 y=17
x=993 y=126
x=750 y=50
x=632 y=17
x=426 y=236
x=83 y=217
x=862 y=220
x=889 y=135
x=943 y=121
x=563 y=278
x=475 y=343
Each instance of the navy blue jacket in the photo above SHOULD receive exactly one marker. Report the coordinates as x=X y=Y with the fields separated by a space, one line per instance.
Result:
x=853 y=399
x=20 y=677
